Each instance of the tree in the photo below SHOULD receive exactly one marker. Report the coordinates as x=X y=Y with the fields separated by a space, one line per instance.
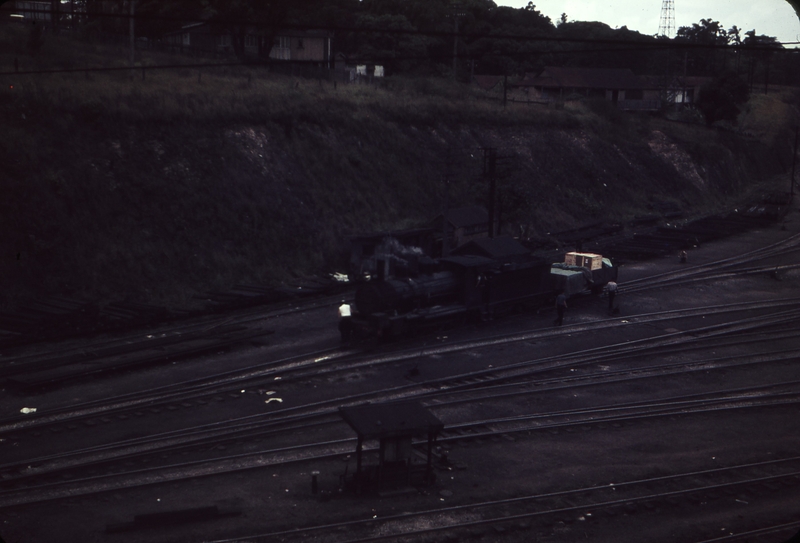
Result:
x=390 y=42
x=709 y=34
x=760 y=49
x=238 y=16
x=720 y=99
x=734 y=37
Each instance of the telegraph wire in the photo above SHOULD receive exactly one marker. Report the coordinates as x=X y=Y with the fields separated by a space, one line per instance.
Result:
x=349 y=59
x=617 y=46
x=657 y=42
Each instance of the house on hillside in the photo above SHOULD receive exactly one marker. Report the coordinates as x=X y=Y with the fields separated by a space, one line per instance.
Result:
x=463 y=224
x=348 y=71
x=617 y=85
x=685 y=89
x=312 y=46
x=672 y=90
x=31 y=11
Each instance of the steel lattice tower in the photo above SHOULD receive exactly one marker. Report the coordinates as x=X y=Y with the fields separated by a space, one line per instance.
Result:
x=667 y=24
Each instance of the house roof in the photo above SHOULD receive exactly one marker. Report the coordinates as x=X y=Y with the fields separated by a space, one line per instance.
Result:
x=500 y=247
x=692 y=81
x=583 y=78
x=653 y=81
x=487 y=82
x=395 y=419
x=217 y=28
x=661 y=82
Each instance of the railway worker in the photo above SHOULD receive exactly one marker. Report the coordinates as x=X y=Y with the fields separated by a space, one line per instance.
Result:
x=561 y=307
x=611 y=288
x=345 y=322
x=684 y=257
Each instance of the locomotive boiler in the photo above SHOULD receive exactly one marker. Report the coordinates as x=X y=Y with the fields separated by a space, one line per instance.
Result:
x=462 y=286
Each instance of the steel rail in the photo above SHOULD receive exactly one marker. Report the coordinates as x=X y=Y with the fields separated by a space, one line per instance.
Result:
x=330 y=528
x=245 y=461
x=657 y=408
x=239 y=377
x=261 y=431
x=231 y=429
x=773 y=249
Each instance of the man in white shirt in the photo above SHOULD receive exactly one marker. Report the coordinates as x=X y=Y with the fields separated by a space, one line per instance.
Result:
x=345 y=322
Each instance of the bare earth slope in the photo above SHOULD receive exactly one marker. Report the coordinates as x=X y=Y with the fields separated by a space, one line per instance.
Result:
x=155 y=190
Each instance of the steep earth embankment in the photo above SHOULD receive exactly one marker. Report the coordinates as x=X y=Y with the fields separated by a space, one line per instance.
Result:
x=168 y=192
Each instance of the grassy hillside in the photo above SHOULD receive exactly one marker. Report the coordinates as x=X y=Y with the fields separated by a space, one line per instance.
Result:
x=156 y=189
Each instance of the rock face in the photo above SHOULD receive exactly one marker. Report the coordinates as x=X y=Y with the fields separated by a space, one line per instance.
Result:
x=156 y=212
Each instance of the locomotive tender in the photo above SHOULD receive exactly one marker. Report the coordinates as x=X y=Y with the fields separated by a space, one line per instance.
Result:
x=491 y=277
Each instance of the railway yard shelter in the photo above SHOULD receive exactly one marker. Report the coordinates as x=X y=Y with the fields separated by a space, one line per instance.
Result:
x=394 y=425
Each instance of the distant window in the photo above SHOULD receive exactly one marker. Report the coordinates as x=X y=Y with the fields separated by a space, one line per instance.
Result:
x=186 y=39
x=39 y=11
x=251 y=41
x=635 y=94
x=224 y=40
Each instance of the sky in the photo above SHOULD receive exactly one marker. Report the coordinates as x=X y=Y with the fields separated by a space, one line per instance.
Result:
x=771 y=17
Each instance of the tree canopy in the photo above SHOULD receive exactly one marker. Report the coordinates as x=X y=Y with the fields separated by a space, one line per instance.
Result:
x=721 y=98
x=468 y=36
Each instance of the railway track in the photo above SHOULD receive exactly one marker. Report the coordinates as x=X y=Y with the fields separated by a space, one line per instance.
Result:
x=711 y=270
x=40 y=370
x=459 y=389
x=260 y=440
x=335 y=359
x=688 y=488
x=473 y=432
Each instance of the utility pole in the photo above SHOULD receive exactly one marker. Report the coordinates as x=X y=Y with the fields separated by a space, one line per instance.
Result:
x=456 y=12
x=445 y=233
x=55 y=14
x=794 y=160
x=683 y=87
x=489 y=170
x=131 y=29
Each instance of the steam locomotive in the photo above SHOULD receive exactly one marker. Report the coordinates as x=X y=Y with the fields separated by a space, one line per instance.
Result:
x=477 y=281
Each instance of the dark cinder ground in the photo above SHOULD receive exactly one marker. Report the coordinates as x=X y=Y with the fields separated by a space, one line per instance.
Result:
x=276 y=499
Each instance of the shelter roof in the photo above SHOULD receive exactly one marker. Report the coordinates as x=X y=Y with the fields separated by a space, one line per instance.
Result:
x=395 y=419
x=469 y=261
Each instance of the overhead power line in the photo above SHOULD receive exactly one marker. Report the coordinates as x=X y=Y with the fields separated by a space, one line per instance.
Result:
x=644 y=41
